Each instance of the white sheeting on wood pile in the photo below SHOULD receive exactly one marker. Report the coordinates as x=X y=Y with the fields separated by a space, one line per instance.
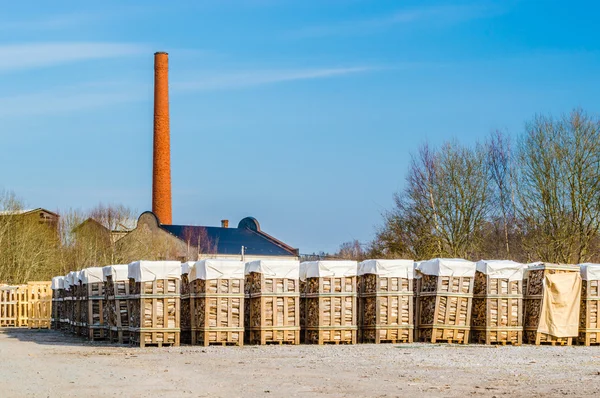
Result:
x=289 y=269
x=217 y=269
x=58 y=282
x=117 y=272
x=149 y=271
x=91 y=275
x=447 y=267
x=329 y=268
x=501 y=269
x=388 y=268
x=186 y=267
x=589 y=271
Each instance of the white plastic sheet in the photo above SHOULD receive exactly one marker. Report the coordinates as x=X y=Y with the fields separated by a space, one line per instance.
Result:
x=185 y=267
x=58 y=282
x=329 y=268
x=447 y=267
x=501 y=269
x=117 y=272
x=589 y=271
x=289 y=269
x=388 y=268
x=217 y=269
x=149 y=271
x=91 y=275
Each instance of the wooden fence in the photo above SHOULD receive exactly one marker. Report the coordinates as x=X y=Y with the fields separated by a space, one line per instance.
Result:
x=27 y=305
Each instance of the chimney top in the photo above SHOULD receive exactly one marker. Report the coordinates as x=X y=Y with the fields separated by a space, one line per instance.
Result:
x=224 y=223
x=161 y=52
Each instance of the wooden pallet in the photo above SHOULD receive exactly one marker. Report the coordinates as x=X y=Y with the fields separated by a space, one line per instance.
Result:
x=444 y=309
x=322 y=298
x=272 y=310
x=154 y=309
x=386 y=309
x=589 y=322
x=23 y=306
x=40 y=305
x=217 y=311
x=9 y=306
x=497 y=336
x=93 y=309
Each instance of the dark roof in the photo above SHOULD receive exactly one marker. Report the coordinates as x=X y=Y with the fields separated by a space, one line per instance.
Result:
x=230 y=240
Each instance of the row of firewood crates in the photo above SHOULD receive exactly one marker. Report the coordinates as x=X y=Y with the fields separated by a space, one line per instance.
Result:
x=223 y=302
x=27 y=305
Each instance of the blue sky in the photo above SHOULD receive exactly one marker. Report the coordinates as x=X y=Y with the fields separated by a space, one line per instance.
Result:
x=300 y=113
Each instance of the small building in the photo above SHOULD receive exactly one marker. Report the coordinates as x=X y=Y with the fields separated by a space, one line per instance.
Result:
x=42 y=216
x=190 y=242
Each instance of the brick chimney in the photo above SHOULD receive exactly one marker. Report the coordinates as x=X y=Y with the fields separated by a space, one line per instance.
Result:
x=224 y=223
x=161 y=172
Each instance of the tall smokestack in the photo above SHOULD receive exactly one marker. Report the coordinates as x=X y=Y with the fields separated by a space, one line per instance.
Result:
x=161 y=172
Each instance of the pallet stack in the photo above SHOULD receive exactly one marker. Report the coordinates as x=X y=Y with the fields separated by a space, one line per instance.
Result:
x=217 y=302
x=80 y=319
x=67 y=304
x=552 y=302
x=329 y=296
x=23 y=306
x=272 y=302
x=93 y=304
x=445 y=300
x=9 y=306
x=589 y=324
x=154 y=302
x=497 y=316
x=73 y=304
x=40 y=305
x=57 y=301
x=116 y=291
x=385 y=301
x=186 y=318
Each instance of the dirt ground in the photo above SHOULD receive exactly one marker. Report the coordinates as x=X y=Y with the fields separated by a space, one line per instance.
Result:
x=52 y=364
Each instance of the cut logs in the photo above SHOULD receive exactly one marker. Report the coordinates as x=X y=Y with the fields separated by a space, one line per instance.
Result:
x=385 y=301
x=589 y=324
x=497 y=316
x=445 y=300
x=329 y=300
x=154 y=303
x=552 y=301
x=272 y=302
x=116 y=291
x=93 y=304
x=217 y=302
x=186 y=318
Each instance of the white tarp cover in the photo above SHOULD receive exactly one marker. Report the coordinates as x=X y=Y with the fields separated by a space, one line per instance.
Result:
x=501 y=269
x=417 y=274
x=589 y=271
x=447 y=267
x=149 y=271
x=77 y=277
x=185 y=267
x=67 y=281
x=91 y=275
x=217 y=269
x=388 y=268
x=289 y=269
x=58 y=282
x=317 y=269
x=118 y=272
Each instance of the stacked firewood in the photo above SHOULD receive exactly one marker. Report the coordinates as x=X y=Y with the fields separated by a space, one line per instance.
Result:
x=186 y=317
x=589 y=322
x=272 y=302
x=116 y=291
x=58 y=288
x=385 y=295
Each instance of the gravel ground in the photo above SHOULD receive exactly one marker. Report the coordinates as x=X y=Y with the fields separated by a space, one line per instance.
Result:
x=52 y=364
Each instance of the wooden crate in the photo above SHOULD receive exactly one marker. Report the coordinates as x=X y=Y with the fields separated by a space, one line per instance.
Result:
x=9 y=306
x=445 y=309
x=40 y=305
x=589 y=324
x=154 y=309
x=331 y=310
x=93 y=308
x=117 y=310
x=186 y=316
x=533 y=301
x=497 y=316
x=217 y=311
x=272 y=309
x=22 y=306
x=385 y=309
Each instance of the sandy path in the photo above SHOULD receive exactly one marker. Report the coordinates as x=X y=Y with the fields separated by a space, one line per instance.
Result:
x=52 y=364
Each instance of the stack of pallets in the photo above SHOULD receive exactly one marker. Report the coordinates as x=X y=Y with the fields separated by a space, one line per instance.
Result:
x=589 y=326
x=9 y=306
x=385 y=301
x=154 y=303
x=329 y=301
x=272 y=302
x=497 y=316
x=444 y=300
x=40 y=304
x=116 y=291
x=217 y=302
x=93 y=304
x=546 y=289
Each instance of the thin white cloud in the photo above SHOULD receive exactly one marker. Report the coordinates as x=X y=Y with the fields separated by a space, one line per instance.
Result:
x=233 y=80
x=432 y=14
x=37 y=55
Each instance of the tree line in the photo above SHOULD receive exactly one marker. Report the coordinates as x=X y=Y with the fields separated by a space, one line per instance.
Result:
x=536 y=198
